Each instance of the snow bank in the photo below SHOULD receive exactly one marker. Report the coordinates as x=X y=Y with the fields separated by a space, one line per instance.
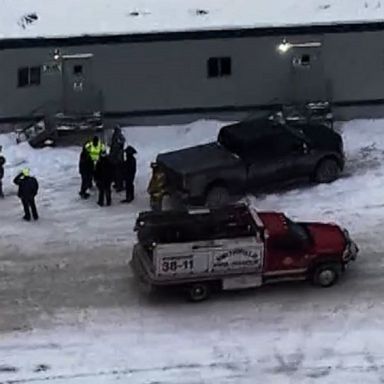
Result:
x=34 y=18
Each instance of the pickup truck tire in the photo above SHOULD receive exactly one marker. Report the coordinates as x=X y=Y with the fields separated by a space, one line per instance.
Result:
x=326 y=275
x=217 y=196
x=198 y=292
x=327 y=170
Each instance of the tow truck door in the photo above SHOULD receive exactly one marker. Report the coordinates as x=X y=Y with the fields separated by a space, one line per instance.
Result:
x=239 y=263
x=284 y=256
x=239 y=254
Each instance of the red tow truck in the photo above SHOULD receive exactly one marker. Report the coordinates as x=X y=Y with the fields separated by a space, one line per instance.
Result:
x=236 y=247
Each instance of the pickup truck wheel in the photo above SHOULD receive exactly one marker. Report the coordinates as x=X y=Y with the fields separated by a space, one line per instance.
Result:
x=198 y=292
x=217 y=196
x=327 y=170
x=326 y=275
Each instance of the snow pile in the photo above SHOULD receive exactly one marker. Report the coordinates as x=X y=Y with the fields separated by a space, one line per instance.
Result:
x=39 y=18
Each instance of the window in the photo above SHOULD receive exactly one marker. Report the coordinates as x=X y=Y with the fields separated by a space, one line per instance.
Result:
x=51 y=68
x=219 y=66
x=285 y=243
x=23 y=77
x=302 y=61
x=28 y=76
x=286 y=143
x=34 y=76
x=77 y=69
x=299 y=232
x=305 y=60
x=297 y=238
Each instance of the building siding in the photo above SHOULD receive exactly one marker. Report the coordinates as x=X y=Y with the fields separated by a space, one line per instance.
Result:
x=168 y=76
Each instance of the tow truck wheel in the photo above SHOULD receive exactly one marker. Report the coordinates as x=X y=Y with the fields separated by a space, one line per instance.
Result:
x=198 y=292
x=326 y=275
x=217 y=196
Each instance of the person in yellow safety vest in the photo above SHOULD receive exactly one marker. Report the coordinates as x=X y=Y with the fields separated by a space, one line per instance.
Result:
x=157 y=188
x=94 y=148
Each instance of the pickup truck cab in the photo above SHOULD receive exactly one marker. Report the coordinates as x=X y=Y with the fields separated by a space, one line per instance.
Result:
x=249 y=156
x=235 y=247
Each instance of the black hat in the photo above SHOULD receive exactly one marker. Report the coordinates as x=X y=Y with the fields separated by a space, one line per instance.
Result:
x=130 y=150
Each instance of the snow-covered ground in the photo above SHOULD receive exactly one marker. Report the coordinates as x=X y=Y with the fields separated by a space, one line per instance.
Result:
x=37 y=18
x=67 y=222
x=71 y=312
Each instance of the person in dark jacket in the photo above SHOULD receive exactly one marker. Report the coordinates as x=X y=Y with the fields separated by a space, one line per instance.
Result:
x=28 y=188
x=86 y=170
x=116 y=155
x=2 y=162
x=129 y=172
x=104 y=178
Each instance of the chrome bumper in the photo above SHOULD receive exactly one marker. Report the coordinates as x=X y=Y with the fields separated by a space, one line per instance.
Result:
x=351 y=250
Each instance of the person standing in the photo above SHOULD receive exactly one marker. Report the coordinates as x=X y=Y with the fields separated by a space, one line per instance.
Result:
x=117 y=157
x=94 y=148
x=2 y=162
x=104 y=178
x=129 y=173
x=86 y=170
x=157 y=188
x=28 y=188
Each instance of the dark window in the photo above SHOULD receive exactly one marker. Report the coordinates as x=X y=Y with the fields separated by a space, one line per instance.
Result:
x=219 y=66
x=226 y=65
x=77 y=69
x=213 y=67
x=285 y=144
x=35 y=76
x=28 y=76
x=23 y=77
x=299 y=232
x=302 y=61
x=305 y=60
x=297 y=237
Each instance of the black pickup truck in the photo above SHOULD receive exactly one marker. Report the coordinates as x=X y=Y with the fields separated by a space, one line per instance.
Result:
x=249 y=156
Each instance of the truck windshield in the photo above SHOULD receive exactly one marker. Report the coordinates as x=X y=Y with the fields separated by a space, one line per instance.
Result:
x=299 y=231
